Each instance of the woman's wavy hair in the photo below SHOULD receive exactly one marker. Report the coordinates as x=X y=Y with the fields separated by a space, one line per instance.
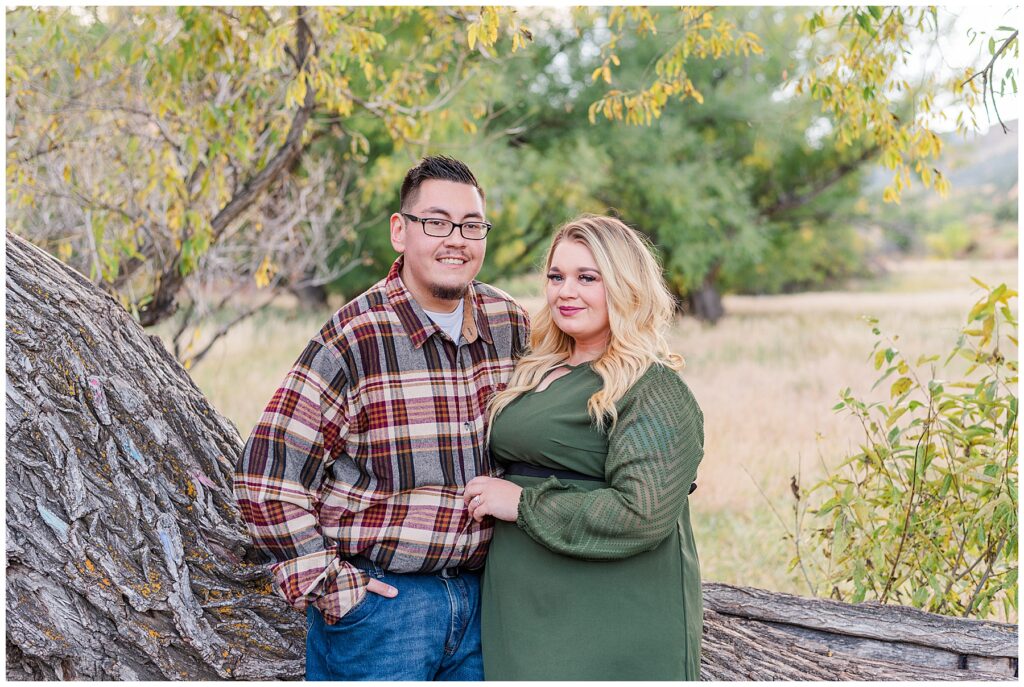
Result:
x=640 y=309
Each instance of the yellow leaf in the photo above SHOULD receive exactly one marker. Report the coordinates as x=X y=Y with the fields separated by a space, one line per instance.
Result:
x=986 y=330
x=900 y=386
x=264 y=272
x=926 y=177
x=17 y=72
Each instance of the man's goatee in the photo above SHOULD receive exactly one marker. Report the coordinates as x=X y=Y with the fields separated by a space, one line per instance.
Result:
x=448 y=293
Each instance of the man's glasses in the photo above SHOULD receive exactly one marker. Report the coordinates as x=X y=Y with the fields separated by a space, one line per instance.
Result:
x=433 y=226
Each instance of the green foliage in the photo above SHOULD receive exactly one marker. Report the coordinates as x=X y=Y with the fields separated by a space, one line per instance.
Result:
x=728 y=190
x=799 y=256
x=859 y=85
x=161 y=150
x=952 y=241
x=702 y=35
x=925 y=514
x=140 y=138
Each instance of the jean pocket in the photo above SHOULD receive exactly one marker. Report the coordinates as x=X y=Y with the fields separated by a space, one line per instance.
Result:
x=362 y=610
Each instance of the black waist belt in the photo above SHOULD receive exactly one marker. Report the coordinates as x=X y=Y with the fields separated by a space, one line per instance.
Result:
x=527 y=470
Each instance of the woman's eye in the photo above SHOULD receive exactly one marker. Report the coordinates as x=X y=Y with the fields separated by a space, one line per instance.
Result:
x=554 y=277
x=587 y=278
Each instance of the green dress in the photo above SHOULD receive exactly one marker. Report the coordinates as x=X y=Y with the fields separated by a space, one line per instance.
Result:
x=597 y=580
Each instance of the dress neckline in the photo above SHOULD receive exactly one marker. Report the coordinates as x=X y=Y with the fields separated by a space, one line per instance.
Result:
x=571 y=368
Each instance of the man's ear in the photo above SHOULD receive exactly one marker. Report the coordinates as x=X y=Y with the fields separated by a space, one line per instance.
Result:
x=397 y=233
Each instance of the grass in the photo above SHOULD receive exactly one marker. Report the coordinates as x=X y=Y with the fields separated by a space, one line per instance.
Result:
x=766 y=377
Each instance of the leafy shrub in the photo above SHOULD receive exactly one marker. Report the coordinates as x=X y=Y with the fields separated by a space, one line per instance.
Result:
x=954 y=240
x=925 y=513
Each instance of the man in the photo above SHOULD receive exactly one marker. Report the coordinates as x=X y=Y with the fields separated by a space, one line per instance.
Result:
x=351 y=483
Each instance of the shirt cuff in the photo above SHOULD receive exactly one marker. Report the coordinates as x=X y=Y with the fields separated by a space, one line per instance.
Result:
x=322 y=579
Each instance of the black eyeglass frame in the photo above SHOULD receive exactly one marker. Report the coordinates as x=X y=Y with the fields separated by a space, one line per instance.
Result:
x=423 y=221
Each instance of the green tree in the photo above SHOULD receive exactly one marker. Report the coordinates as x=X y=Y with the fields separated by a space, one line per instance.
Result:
x=721 y=187
x=163 y=150
x=854 y=69
x=139 y=138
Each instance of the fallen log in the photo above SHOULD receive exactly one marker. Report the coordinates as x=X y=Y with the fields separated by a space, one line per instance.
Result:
x=127 y=559
x=753 y=634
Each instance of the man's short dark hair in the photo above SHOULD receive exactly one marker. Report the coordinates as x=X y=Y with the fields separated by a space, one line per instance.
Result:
x=435 y=167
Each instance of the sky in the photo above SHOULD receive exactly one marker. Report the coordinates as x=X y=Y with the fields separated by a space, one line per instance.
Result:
x=956 y=51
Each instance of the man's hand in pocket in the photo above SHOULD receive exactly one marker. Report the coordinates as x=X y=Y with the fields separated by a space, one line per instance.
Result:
x=377 y=587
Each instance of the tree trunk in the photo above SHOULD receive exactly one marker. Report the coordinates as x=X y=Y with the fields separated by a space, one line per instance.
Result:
x=310 y=297
x=127 y=559
x=125 y=551
x=705 y=302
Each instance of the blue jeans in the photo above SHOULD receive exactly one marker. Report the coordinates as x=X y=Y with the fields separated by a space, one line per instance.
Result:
x=430 y=631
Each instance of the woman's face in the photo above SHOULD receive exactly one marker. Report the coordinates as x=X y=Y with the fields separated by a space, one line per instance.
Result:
x=576 y=294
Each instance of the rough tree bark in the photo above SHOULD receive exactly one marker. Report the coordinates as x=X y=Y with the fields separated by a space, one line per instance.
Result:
x=125 y=552
x=126 y=557
x=752 y=634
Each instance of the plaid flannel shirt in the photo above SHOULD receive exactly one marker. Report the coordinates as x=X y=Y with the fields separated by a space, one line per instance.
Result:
x=366 y=447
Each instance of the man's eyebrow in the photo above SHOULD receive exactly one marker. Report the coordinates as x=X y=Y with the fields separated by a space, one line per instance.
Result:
x=436 y=211
x=445 y=213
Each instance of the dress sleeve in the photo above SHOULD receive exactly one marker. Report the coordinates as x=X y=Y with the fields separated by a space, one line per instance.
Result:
x=653 y=453
x=276 y=482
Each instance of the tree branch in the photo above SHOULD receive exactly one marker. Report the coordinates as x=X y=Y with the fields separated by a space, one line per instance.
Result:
x=987 y=75
x=791 y=201
x=170 y=281
x=244 y=315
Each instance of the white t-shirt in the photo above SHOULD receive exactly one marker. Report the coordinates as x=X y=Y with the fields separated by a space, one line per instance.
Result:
x=450 y=322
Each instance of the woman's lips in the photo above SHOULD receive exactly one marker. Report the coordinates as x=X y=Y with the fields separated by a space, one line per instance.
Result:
x=568 y=311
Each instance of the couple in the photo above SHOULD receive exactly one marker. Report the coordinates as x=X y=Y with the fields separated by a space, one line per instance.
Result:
x=370 y=480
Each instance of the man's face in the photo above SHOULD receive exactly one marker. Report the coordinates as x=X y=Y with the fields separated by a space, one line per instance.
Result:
x=437 y=270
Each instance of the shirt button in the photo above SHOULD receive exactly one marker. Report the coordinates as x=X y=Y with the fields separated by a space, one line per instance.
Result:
x=467 y=426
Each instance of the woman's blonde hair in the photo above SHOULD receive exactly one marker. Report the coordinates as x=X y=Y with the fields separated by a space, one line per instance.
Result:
x=640 y=309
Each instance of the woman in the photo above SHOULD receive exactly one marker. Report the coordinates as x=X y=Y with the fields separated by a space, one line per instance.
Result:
x=592 y=573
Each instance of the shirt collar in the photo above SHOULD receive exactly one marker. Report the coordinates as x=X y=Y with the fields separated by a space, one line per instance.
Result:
x=418 y=324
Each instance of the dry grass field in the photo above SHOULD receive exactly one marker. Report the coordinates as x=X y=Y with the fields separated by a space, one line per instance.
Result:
x=766 y=377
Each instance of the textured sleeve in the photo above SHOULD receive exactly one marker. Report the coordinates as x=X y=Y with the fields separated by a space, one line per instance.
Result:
x=276 y=481
x=653 y=454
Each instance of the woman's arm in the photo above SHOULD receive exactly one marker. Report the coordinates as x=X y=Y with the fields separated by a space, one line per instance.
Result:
x=653 y=454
